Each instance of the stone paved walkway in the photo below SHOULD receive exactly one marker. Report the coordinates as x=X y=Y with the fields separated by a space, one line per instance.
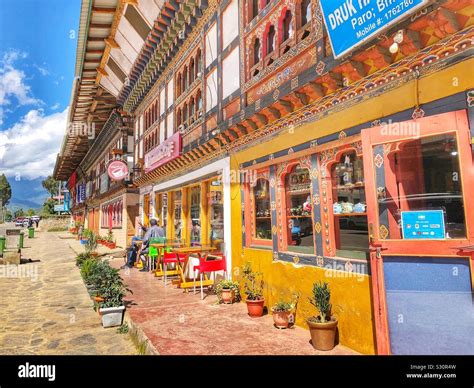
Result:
x=48 y=310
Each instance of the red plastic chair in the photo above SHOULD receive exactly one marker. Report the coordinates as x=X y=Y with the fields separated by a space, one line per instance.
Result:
x=171 y=258
x=207 y=266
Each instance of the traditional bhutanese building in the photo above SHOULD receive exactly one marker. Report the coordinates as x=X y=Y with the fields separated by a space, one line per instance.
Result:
x=318 y=140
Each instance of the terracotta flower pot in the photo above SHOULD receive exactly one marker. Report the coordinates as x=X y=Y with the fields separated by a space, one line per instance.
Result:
x=227 y=296
x=323 y=335
x=281 y=319
x=255 y=307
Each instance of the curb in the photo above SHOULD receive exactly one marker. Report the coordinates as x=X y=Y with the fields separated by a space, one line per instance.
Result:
x=137 y=334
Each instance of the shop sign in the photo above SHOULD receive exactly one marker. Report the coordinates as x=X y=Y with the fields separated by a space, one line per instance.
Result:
x=350 y=23
x=59 y=208
x=88 y=189
x=117 y=170
x=423 y=225
x=104 y=183
x=81 y=193
x=168 y=150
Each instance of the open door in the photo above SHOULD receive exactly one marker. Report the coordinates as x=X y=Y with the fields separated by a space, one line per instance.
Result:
x=420 y=196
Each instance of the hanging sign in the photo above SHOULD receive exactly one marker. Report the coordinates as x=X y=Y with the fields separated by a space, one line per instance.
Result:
x=350 y=23
x=117 y=170
x=423 y=225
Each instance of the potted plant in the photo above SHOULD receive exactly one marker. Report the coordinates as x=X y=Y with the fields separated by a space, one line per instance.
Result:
x=322 y=327
x=110 y=242
x=283 y=314
x=253 y=286
x=227 y=291
x=91 y=244
x=112 y=290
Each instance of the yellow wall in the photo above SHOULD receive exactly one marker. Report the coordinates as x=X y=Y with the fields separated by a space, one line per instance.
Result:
x=351 y=296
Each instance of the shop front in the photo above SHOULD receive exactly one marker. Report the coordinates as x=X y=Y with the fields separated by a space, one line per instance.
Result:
x=118 y=216
x=380 y=209
x=194 y=209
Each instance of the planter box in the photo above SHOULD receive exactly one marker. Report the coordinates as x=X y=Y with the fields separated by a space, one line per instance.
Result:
x=112 y=316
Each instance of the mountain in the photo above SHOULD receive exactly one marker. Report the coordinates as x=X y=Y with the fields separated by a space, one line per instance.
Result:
x=27 y=193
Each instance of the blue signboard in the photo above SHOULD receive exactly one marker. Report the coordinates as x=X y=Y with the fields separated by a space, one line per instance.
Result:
x=423 y=225
x=67 y=201
x=351 y=22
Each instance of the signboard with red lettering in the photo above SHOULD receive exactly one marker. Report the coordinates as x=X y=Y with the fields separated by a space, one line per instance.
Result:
x=117 y=170
x=167 y=151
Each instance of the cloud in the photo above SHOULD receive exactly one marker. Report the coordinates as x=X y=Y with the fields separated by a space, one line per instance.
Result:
x=12 y=83
x=28 y=149
x=55 y=106
x=42 y=70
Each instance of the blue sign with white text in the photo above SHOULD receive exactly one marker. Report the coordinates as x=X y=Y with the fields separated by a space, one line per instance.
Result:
x=423 y=225
x=352 y=22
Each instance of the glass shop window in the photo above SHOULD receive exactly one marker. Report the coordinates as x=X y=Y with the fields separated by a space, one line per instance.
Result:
x=299 y=211
x=263 y=219
x=195 y=231
x=350 y=207
x=178 y=223
x=216 y=212
x=422 y=194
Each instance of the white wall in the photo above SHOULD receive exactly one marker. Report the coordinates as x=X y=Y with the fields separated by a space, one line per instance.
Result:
x=230 y=23
x=231 y=73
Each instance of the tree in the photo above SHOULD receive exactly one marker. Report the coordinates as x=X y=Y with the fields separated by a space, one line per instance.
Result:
x=48 y=207
x=8 y=215
x=5 y=190
x=51 y=185
x=19 y=213
x=31 y=212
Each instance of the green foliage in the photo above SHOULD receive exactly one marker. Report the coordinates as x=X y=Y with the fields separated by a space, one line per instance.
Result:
x=227 y=285
x=30 y=212
x=91 y=244
x=51 y=186
x=123 y=329
x=104 y=280
x=58 y=229
x=19 y=213
x=321 y=300
x=48 y=206
x=81 y=257
x=282 y=306
x=5 y=190
x=109 y=237
x=8 y=215
x=253 y=283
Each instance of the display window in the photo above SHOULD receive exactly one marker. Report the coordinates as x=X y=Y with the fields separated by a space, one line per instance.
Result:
x=195 y=215
x=216 y=208
x=422 y=177
x=298 y=210
x=177 y=215
x=259 y=222
x=349 y=206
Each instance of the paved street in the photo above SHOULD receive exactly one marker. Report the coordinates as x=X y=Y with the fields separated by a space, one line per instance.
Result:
x=45 y=308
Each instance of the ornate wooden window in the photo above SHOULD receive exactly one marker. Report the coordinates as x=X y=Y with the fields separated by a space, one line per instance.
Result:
x=258 y=208
x=198 y=63
x=287 y=26
x=199 y=102
x=256 y=52
x=270 y=40
x=191 y=71
x=348 y=204
x=179 y=82
x=297 y=202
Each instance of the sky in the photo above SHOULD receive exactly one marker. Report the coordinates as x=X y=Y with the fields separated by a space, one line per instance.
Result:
x=38 y=40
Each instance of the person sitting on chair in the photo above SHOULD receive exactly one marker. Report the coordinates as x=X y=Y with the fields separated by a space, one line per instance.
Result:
x=154 y=231
x=132 y=251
